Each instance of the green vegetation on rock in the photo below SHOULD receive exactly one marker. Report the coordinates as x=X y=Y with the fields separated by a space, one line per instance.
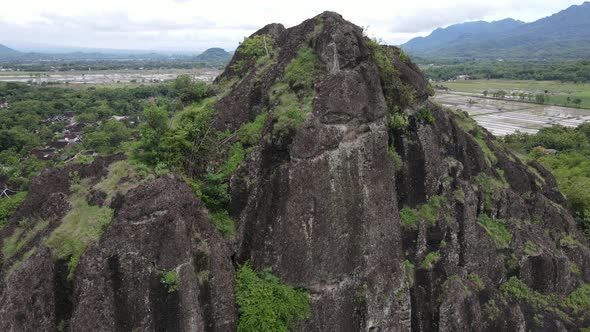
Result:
x=25 y=231
x=496 y=229
x=492 y=189
x=84 y=223
x=531 y=249
x=291 y=110
x=224 y=223
x=397 y=121
x=265 y=304
x=459 y=196
x=250 y=133
x=122 y=177
x=9 y=205
x=491 y=310
x=491 y=157
x=410 y=272
x=80 y=228
x=458 y=281
x=569 y=241
x=409 y=218
x=579 y=300
x=425 y=115
x=430 y=259
x=398 y=95
x=575 y=269
x=292 y=96
x=426 y=212
x=170 y=279
x=476 y=279
x=253 y=49
x=576 y=303
x=396 y=158
x=303 y=69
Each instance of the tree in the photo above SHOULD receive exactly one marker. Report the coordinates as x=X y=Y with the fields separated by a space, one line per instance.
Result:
x=18 y=139
x=108 y=137
x=156 y=118
x=577 y=102
x=189 y=91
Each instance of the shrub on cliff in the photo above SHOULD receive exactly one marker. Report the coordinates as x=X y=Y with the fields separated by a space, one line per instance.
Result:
x=252 y=49
x=9 y=205
x=266 y=304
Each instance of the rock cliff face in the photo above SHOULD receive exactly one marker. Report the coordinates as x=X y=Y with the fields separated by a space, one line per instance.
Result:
x=158 y=227
x=393 y=213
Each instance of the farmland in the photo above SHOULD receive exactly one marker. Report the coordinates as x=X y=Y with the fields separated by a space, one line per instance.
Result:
x=108 y=77
x=556 y=93
x=502 y=117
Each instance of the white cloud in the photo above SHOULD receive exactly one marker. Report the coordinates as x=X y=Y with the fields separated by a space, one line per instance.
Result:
x=197 y=24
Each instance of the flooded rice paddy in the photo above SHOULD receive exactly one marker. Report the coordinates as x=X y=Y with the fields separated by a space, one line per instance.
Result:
x=110 y=77
x=502 y=117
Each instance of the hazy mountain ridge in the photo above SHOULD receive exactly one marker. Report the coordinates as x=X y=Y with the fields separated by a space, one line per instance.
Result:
x=564 y=35
x=212 y=55
x=4 y=50
x=442 y=36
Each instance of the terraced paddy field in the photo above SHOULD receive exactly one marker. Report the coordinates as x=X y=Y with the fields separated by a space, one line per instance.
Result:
x=502 y=117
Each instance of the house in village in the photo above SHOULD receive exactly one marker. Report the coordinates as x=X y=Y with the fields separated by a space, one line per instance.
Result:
x=57 y=118
x=119 y=118
x=75 y=128
x=59 y=144
x=463 y=78
x=72 y=137
x=44 y=154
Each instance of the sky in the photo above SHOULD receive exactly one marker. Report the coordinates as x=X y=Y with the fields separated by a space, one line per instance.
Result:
x=195 y=25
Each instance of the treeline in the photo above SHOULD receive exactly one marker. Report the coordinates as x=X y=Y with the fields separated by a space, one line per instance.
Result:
x=568 y=158
x=569 y=71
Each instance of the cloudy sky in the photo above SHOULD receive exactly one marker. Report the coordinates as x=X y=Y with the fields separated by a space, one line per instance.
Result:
x=194 y=25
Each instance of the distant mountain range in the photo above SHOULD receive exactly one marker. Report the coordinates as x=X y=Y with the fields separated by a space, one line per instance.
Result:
x=212 y=56
x=565 y=35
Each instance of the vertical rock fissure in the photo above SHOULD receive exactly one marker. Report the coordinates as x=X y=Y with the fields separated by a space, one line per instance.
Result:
x=165 y=305
x=120 y=311
x=63 y=294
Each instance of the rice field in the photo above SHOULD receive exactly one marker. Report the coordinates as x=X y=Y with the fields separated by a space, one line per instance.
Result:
x=502 y=117
x=114 y=78
x=557 y=92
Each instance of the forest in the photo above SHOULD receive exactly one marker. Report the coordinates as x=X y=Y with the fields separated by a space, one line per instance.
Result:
x=33 y=119
x=577 y=71
x=566 y=153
